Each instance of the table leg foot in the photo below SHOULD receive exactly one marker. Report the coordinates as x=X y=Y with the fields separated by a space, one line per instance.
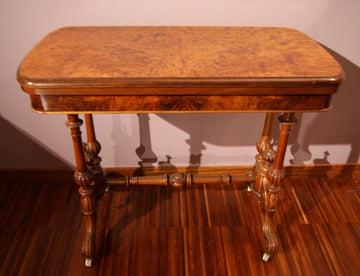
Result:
x=87 y=197
x=272 y=186
x=271 y=244
x=266 y=257
x=88 y=262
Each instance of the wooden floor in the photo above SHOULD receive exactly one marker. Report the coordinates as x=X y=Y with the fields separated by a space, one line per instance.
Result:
x=200 y=231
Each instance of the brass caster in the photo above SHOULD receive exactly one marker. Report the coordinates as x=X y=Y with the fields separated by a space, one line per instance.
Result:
x=266 y=257
x=88 y=262
x=250 y=184
x=107 y=188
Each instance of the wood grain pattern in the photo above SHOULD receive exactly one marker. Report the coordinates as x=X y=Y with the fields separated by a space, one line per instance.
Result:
x=94 y=53
x=156 y=231
x=179 y=104
x=176 y=56
x=177 y=69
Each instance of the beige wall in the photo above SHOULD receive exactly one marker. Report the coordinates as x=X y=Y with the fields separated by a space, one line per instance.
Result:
x=221 y=139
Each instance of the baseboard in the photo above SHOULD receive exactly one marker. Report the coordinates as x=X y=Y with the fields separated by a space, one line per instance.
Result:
x=331 y=170
x=328 y=170
x=324 y=170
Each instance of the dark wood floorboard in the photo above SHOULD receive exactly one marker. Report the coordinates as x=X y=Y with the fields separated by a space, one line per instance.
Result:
x=200 y=231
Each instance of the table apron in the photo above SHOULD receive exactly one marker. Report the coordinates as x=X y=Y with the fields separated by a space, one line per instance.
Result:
x=178 y=104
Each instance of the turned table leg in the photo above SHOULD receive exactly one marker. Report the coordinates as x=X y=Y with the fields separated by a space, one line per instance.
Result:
x=92 y=148
x=84 y=179
x=272 y=184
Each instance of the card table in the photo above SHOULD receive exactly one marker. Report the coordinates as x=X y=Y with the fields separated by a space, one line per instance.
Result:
x=166 y=69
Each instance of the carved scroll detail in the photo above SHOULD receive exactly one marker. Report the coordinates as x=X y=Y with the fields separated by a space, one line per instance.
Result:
x=265 y=158
x=271 y=186
x=92 y=149
x=84 y=179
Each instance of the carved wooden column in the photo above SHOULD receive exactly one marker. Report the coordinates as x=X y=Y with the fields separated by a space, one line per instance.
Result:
x=92 y=148
x=265 y=158
x=84 y=179
x=272 y=185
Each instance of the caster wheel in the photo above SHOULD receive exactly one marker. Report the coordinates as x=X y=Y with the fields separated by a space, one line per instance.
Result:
x=107 y=188
x=88 y=262
x=266 y=257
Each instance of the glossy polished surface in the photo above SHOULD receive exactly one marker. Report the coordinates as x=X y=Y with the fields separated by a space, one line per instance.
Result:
x=172 y=56
x=158 y=231
x=178 y=69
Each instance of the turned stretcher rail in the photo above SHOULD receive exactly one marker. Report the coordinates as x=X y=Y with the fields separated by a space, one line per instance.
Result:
x=179 y=180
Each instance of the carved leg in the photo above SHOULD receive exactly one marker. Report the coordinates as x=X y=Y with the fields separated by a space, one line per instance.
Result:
x=272 y=185
x=84 y=179
x=265 y=158
x=92 y=149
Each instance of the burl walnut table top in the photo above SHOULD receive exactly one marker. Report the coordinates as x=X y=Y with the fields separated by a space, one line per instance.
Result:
x=120 y=61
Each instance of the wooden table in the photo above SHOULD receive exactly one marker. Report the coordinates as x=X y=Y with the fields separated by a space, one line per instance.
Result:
x=179 y=69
